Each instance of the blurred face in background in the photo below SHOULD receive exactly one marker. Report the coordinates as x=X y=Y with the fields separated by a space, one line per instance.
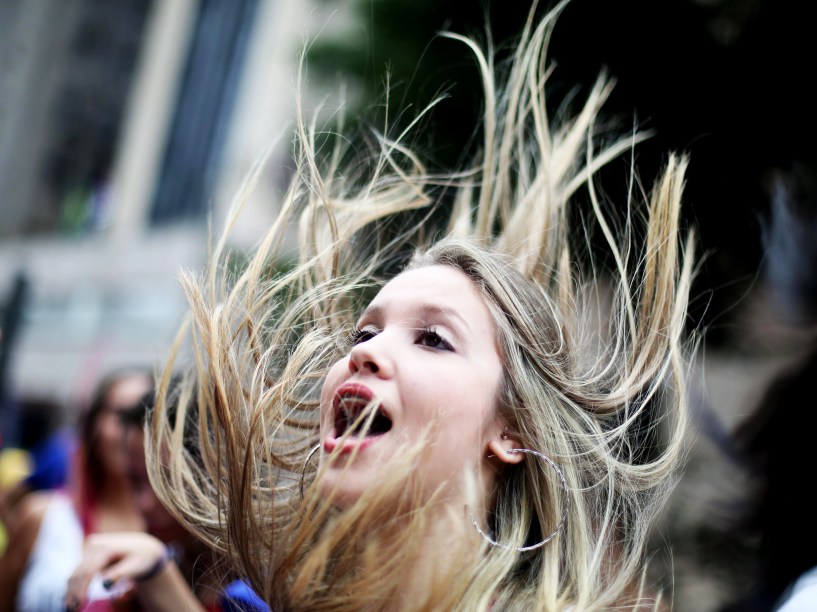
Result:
x=159 y=522
x=121 y=397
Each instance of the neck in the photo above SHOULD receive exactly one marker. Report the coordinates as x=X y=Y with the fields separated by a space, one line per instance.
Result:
x=114 y=507
x=116 y=492
x=448 y=549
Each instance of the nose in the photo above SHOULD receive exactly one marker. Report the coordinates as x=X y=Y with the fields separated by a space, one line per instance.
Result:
x=371 y=357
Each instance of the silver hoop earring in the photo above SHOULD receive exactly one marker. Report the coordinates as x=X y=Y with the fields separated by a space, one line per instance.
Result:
x=552 y=464
x=306 y=462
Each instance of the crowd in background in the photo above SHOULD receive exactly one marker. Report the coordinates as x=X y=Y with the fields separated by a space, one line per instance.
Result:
x=82 y=527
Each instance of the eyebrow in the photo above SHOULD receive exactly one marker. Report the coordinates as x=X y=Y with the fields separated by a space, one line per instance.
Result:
x=377 y=311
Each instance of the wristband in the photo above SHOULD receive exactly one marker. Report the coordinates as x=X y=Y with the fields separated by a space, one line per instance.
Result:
x=167 y=555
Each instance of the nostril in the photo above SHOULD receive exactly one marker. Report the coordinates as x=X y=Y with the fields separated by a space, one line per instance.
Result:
x=362 y=359
x=357 y=364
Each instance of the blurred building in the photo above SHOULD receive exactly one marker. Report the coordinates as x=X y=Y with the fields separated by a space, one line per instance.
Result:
x=125 y=128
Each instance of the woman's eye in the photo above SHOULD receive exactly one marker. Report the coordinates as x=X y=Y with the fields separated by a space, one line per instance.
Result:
x=431 y=339
x=362 y=335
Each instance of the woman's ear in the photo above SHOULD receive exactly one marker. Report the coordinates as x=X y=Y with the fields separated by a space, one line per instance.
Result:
x=502 y=443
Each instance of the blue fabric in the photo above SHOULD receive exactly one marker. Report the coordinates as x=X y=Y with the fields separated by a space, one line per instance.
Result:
x=51 y=460
x=239 y=597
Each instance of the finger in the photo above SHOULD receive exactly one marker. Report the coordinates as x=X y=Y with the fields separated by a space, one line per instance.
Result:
x=93 y=561
x=78 y=584
x=76 y=592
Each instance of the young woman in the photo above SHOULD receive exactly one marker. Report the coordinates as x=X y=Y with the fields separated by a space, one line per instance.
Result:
x=476 y=418
x=47 y=542
x=163 y=568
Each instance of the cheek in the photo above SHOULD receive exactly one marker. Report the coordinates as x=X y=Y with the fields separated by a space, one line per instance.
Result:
x=471 y=410
x=462 y=415
x=109 y=432
x=144 y=498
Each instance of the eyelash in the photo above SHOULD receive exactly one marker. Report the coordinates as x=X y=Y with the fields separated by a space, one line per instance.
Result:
x=362 y=334
x=438 y=341
x=424 y=335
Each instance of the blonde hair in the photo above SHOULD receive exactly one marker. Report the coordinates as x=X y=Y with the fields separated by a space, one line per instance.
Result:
x=608 y=408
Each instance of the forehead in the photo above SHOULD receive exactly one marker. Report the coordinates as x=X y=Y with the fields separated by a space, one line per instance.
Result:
x=439 y=286
x=124 y=393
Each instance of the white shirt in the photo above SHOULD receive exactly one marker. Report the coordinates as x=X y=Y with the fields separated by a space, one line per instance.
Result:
x=53 y=558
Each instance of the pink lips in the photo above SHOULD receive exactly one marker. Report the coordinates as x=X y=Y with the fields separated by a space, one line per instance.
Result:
x=351 y=389
x=332 y=441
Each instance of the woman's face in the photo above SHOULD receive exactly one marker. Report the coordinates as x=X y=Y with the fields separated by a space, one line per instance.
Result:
x=158 y=520
x=121 y=397
x=425 y=353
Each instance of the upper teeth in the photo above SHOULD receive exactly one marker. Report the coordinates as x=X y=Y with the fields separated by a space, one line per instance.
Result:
x=352 y=406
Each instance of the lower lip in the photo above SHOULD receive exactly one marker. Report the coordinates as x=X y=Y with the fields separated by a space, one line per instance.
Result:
x=349 y=444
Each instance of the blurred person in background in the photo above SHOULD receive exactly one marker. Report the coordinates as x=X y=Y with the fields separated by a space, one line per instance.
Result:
x=15 y=466
x=775 y=443
x=164 y=568
x=48 y=445
x=46 y=544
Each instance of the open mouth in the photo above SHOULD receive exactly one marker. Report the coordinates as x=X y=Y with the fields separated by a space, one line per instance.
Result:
x=357 y=414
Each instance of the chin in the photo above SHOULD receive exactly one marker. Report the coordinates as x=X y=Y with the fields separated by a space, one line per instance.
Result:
x=341 y=490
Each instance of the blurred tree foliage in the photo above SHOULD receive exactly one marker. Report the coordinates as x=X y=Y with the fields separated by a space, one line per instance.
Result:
x=399 y=40
x=723 y=80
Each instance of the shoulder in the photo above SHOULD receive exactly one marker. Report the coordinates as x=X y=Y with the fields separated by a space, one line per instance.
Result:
x=28 y=520
x=23 y=533
x=44 y=516
x=31 y=509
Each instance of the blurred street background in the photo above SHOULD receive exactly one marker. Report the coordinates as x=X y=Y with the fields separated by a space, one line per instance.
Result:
x=126 y=126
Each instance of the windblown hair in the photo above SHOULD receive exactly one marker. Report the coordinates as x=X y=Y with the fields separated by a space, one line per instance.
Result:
x=608 y=406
